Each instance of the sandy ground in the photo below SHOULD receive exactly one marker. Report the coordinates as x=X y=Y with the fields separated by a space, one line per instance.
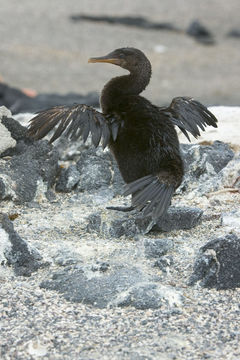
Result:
x=42 y=49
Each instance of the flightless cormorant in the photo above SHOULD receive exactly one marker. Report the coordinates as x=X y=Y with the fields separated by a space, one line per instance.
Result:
x=141 y=136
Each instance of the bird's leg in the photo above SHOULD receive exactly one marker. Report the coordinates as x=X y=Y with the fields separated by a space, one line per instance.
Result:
x=123 y=208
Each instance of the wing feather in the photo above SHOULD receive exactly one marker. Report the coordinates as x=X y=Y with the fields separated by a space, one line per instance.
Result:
x=190 y=116
x=75 y=121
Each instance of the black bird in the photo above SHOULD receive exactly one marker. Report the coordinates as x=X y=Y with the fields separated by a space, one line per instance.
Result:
x=141 y=136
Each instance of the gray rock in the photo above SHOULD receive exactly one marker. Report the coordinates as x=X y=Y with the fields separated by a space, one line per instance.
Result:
x=22 y=176
x=98 y=169
x=148 y=296
x=230 y=175
x=17 y=131
x=202 y=163
x=116 y=224
x=68 y=179
x=5 y=112
x=7 y=141
x=179 y=218
x=217 y=264
x=94 y=168
x=157 y=247
x=91 y=288
x=123 y=286
x=15 y=251
x=218 y=155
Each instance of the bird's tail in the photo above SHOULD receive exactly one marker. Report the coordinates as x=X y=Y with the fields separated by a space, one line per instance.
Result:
x=151 y=195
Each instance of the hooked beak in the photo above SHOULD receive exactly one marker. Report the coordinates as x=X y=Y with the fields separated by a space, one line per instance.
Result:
x=105 y=59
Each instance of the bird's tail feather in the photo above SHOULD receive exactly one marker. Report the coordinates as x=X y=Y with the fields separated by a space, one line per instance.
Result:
x=151 y=195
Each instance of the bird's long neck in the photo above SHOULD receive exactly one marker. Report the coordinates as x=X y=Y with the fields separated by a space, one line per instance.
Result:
x=118 y=87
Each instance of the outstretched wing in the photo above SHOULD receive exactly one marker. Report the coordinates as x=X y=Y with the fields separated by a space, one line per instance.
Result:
x=74 y=121
x=151 y=195
x=190 y=115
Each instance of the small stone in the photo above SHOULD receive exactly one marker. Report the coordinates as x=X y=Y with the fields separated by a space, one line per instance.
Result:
x=157 y=247
x=68 y=179
x=94 y=223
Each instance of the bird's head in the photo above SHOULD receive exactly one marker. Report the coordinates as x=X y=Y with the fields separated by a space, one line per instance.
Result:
x=128 y=58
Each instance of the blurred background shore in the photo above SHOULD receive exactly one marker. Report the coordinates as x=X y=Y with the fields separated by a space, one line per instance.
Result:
x=44 y=49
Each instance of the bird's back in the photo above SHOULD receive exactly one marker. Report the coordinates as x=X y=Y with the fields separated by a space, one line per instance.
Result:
x=147 y=141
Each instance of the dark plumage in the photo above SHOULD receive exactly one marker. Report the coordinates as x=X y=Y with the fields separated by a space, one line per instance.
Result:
x=141 y=136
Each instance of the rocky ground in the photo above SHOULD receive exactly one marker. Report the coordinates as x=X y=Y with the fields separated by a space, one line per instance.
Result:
x=79 y=281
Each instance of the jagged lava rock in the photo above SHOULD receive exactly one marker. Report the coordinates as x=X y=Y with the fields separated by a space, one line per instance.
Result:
x=217 y=265
x=203 y=163
x=179 y=218
x=116 y=224
x=17 y=131
x=196 y=157
x=15 y=251
x=23 y=173
x=95 y=169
